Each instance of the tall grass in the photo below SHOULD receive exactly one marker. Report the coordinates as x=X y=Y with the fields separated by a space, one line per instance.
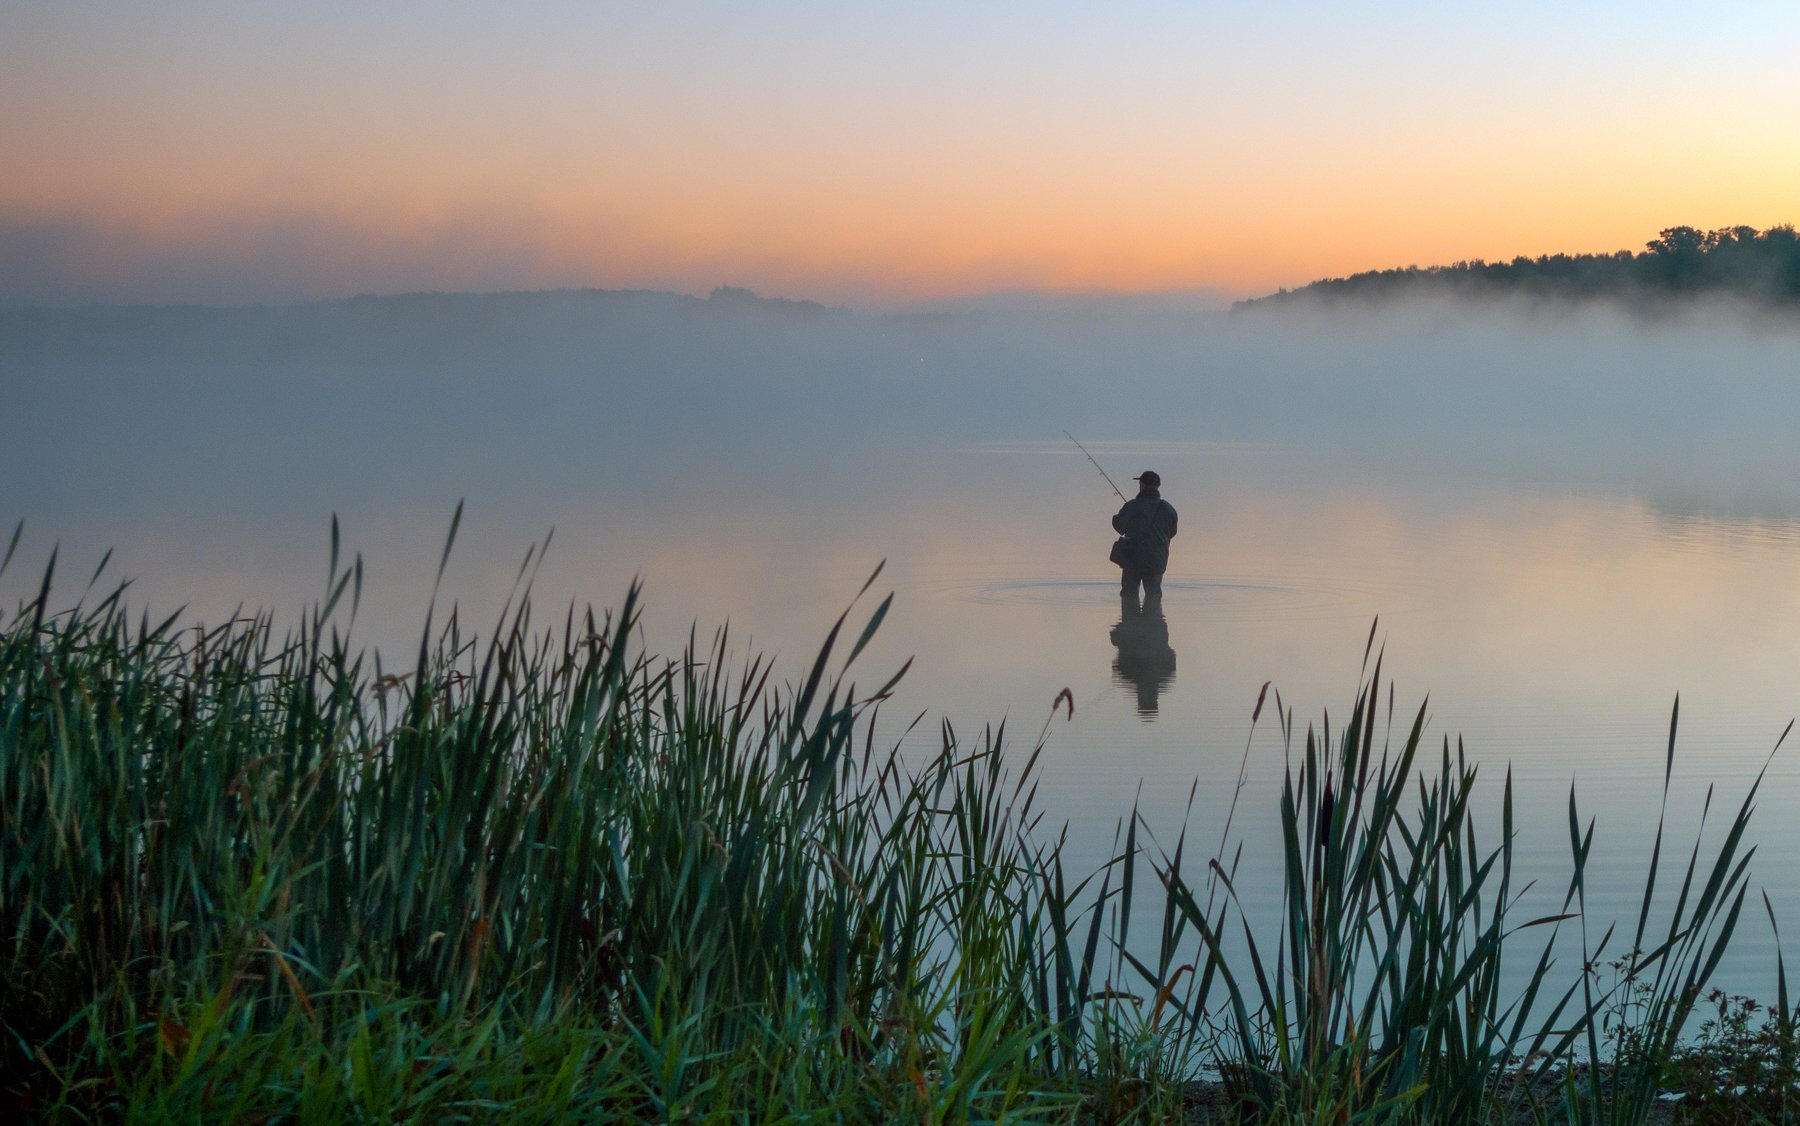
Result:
x=215 y=835
x=546 y=875
x=1391 y=991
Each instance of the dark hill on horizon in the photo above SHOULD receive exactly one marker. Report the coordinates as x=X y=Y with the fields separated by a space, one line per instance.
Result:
x=1680 y=263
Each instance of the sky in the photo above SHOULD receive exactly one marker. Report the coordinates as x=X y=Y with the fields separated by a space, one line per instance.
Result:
x=229 y=152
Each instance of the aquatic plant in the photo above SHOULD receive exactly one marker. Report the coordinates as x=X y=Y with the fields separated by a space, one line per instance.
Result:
x=1387 y=992
x=549 y=876
x=685 y=878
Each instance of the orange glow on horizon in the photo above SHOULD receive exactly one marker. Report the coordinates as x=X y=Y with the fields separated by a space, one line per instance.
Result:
x=1239 y=214
x=861 y=155
x=894 y=255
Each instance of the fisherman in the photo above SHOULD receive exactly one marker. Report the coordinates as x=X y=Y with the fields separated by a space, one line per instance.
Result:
x=1146 y=524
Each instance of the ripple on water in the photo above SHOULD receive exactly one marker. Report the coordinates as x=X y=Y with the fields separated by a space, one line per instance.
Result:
x=1292 y=597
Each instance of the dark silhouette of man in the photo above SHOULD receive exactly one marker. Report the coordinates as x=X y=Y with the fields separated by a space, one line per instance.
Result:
x=1144 y=660
x=1147 y=523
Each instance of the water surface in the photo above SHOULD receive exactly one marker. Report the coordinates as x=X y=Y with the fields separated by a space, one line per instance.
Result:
x=1558 y=519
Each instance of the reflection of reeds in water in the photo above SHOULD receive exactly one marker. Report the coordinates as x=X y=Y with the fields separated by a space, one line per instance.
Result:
x=548 y=876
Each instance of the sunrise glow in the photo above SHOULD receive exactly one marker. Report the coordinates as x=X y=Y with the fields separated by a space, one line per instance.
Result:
x=197 y=152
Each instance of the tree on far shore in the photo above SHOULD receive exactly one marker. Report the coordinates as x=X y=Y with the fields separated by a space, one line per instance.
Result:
x=1738 y=261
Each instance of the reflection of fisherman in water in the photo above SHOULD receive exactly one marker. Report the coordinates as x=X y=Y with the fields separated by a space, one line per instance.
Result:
x=1145 y=660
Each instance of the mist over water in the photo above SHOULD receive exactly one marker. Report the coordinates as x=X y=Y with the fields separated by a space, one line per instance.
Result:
x=1562 y=517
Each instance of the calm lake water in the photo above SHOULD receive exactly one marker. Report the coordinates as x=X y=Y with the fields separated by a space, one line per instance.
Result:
x=1560 y=520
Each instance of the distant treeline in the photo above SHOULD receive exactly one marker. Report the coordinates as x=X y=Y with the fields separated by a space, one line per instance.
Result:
x=1680 y=261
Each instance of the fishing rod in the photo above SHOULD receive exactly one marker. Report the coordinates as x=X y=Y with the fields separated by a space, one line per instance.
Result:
x=1161 y=536
x=1095 y=464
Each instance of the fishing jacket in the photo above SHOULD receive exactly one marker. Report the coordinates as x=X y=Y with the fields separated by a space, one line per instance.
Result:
x=1148 y=522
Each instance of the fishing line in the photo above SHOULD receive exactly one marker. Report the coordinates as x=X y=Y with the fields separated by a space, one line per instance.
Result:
x=1095 y=464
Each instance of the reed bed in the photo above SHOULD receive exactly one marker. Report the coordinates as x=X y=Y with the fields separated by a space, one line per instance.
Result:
x=546 y=876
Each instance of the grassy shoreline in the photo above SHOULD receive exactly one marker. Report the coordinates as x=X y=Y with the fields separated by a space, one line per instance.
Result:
x=250 y=875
